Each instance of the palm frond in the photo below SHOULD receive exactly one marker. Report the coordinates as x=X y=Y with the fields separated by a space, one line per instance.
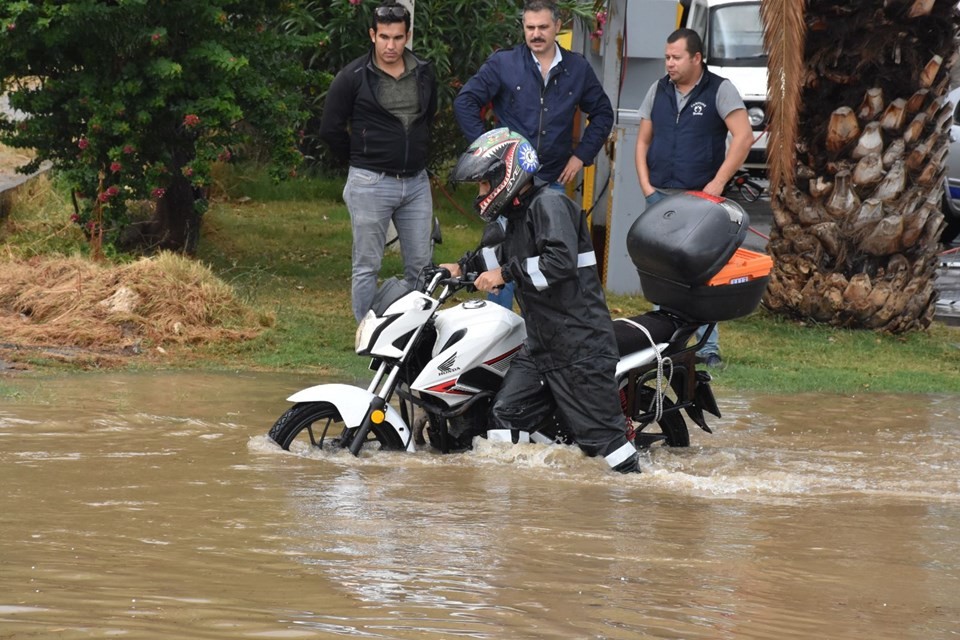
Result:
x=784 y=34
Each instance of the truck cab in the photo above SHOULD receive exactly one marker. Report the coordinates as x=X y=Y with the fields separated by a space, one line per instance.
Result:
x=732 y=35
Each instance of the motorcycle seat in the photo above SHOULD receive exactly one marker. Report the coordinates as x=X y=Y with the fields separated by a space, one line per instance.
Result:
x=630 y=339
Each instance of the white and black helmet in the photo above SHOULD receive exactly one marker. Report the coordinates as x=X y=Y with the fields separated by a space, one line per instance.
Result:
x=503 y=158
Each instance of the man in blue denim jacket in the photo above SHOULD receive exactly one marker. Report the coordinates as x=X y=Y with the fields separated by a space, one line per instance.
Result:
x=377 y=116
x=536 y=89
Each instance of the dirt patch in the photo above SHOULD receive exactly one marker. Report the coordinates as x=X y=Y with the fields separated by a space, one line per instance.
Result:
x=72 y=308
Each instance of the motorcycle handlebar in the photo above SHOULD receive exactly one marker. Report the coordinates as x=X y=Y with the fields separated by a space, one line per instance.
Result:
x=465 y=281
x=440 y=276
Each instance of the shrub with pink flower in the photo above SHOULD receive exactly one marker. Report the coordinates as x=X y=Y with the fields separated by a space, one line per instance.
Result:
x=163 y=89
x=601 y=19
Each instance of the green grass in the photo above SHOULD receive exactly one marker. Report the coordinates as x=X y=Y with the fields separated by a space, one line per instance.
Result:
x=290 y=257
x=286 y=250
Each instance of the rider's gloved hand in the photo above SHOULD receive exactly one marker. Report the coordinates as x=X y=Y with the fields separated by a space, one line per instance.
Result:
x=453 y=268
x=489 y=280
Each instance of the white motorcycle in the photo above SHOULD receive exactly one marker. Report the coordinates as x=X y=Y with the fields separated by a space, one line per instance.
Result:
x=438 y=369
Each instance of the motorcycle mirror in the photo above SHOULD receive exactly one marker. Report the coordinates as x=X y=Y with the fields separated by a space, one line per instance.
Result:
x=493 y=234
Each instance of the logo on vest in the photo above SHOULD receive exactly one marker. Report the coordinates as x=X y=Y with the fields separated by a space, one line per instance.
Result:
x=698 y=108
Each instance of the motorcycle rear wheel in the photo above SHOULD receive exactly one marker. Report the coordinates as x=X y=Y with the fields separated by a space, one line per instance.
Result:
x=671 y=426
x=309 y=425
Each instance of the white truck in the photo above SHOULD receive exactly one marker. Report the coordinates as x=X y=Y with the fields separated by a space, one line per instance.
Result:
x=732 y=35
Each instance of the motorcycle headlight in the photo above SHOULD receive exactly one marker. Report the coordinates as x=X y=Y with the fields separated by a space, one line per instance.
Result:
x=365 y=332
x=756 y=116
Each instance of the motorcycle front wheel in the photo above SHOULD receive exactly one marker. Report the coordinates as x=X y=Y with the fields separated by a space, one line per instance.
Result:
x=318 y=425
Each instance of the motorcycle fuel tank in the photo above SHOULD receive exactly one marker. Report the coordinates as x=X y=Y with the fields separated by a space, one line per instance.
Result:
x=476 y=341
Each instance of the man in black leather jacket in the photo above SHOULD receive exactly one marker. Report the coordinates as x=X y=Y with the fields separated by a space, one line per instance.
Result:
x=377 y=116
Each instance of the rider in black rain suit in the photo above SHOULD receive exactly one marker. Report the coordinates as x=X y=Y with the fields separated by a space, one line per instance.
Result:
x=569 y=358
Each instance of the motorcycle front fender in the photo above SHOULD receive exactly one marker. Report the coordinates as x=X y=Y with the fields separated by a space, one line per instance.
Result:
x=353 y=403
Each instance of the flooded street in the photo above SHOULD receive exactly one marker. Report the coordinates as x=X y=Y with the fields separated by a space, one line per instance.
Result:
x=153 y=506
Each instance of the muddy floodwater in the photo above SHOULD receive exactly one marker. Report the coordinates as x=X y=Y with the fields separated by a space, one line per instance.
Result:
x=153 y=506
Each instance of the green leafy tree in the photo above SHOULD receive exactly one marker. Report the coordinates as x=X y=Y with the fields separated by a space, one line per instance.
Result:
x=135 y=100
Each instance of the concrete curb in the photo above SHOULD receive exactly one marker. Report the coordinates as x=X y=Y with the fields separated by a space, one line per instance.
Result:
x=10 y=185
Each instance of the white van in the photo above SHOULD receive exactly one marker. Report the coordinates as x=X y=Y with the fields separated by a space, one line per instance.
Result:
x=732 y=35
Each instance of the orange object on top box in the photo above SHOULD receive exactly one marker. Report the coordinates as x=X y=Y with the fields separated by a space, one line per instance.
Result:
x=745 y=265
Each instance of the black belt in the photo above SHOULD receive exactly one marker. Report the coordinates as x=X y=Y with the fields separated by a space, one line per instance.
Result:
x=401 y=176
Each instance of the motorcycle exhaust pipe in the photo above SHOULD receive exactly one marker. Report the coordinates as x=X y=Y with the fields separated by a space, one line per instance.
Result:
x=375 y=415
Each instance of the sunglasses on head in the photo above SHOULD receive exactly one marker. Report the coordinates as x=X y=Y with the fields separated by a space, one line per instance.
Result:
x=391 y=12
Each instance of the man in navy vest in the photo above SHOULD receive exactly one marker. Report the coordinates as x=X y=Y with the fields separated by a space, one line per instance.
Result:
x=682 y=142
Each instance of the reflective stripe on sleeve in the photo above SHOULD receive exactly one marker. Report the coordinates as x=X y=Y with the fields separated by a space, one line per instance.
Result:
x=489 y=258
x=533 y=270
x=587 y=259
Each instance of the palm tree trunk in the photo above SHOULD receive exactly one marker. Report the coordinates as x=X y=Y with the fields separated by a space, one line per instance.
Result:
x=856 y=193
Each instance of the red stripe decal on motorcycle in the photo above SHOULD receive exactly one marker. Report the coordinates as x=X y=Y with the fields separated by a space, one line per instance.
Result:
x=503 y=357
x=448 y=387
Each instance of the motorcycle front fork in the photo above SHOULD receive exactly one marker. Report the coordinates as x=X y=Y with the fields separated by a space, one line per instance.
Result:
x=376 y=411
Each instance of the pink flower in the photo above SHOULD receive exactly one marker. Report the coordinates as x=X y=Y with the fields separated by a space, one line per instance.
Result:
x=74 y=218
x=191 y=120
x=128 y=149
x=115 y=167
x=83 y=143
x=158 y=192
x=224 y=156
x=112 y=190
x=354 y=2
x=188 y=171
x=103 y=197
x=11 y=26
x=155 y=37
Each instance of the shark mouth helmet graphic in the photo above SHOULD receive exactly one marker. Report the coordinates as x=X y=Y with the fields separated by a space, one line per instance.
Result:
x=504 y=159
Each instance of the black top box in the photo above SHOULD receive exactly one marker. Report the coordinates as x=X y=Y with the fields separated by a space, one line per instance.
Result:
x=680 y=243
x=687 y=238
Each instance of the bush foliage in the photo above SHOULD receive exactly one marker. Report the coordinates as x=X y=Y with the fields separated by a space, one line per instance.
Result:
x=132 y=99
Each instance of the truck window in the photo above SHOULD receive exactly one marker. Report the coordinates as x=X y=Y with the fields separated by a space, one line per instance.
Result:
x=699 y=22
x=736 y=35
